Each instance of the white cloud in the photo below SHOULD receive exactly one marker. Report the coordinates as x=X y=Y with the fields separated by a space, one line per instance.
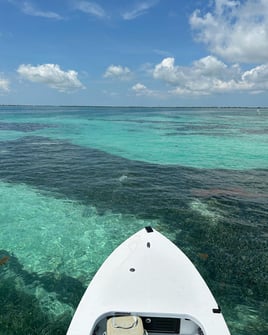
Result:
x=28 y=9
x=117 y=71
x=258 y=78
x=141 y=9
x=51 y=75
x=4 y=85
x=209 y=75
x=91 y=8
x=141 y=89
x=234 y=30
x=168 y=72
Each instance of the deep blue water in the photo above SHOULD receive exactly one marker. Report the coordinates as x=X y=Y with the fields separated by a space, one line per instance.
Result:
x=72 y=177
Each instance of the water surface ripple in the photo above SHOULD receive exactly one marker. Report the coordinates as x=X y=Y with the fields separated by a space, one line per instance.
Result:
x=76 y=181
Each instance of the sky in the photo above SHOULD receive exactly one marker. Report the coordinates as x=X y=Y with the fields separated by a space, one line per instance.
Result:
x=134 y=52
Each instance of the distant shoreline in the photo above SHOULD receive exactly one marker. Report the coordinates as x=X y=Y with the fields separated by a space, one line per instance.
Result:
x=138 y=106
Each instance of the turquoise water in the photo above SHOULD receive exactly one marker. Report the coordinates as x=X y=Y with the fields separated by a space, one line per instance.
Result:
x=214 y=137
x=77 y=181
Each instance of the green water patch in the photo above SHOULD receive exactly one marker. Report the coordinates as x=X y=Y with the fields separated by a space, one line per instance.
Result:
x=51 y=248
x=21 y=313
x=232 y=258
x=201 y=138
x=154 y=145
x=48 y=234
x=33 y=303
x=7 y=135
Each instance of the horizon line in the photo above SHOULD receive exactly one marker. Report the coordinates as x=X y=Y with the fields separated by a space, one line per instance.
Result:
x=130 y=106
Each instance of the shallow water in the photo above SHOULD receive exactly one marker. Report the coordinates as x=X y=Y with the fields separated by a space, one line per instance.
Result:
x=77 y=181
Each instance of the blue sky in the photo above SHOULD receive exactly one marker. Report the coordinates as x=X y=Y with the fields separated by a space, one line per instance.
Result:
x=122 y=52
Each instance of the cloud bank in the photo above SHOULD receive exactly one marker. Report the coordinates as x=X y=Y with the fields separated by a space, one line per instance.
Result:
x=209 y=75
x=51 y=75
x=235 y=30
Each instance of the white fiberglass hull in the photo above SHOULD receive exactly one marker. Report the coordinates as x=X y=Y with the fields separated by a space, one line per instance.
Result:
x=149 y=276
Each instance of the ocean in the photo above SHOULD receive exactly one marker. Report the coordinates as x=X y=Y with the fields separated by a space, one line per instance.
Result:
x=75 y=182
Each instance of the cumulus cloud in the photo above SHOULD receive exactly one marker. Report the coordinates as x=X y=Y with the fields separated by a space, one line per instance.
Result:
x=141 y=89
x=209 y=75
x=257 y=78
x=117 y=71
x=234 y=30
x=4 y=85
x=91 y=8
x=51 y=75
x=29 y=9
x=141 y=9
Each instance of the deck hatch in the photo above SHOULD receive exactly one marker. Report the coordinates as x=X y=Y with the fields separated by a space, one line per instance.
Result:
x=161 y=325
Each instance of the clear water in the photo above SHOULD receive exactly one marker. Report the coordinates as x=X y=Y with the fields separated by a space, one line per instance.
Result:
x=77 y=181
